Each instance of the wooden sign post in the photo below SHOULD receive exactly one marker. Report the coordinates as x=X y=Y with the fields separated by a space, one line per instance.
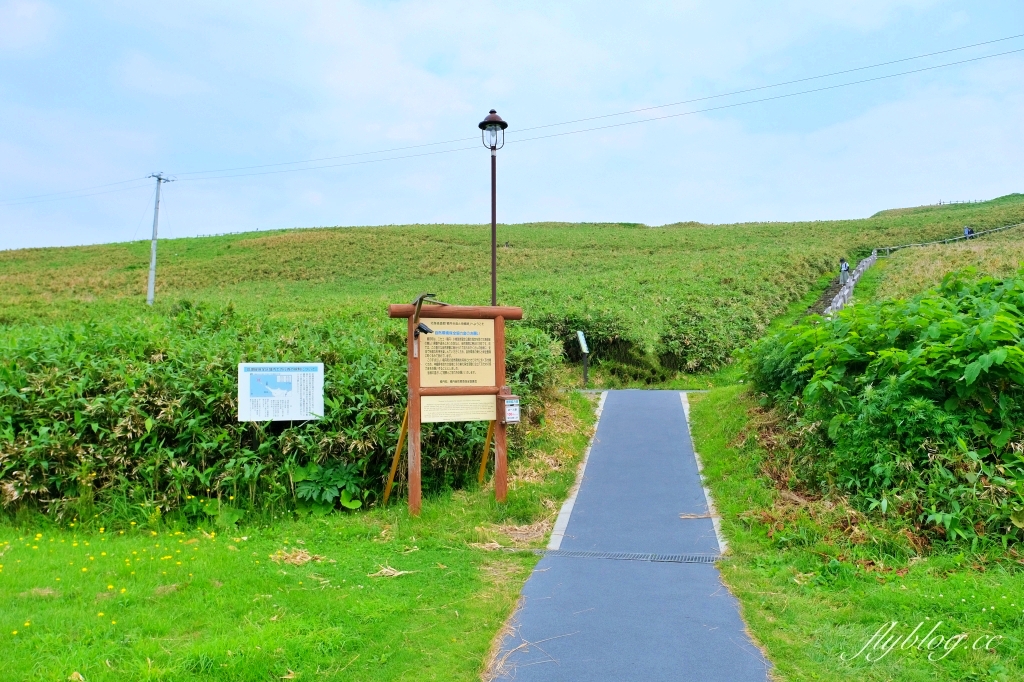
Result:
x=456 y=373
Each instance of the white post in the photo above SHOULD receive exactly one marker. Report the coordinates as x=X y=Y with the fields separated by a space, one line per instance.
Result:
x=151 y=291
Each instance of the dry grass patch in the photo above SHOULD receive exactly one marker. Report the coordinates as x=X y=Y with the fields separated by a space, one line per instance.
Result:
x=44 y=592
x=295 y=557
x=910 y=271
x=525 y=534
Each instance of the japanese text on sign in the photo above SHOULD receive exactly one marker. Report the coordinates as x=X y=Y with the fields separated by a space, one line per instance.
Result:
x=458 y=353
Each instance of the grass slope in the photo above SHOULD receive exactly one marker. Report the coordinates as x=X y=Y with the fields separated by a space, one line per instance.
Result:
x=636 y=273
x=910 y=271
x=815 y=588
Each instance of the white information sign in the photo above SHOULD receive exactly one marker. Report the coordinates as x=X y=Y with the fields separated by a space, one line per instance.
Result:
x=270 y=391
x=511 y=410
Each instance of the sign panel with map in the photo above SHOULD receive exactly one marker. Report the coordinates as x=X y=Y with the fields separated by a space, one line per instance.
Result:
x=458 y=353
x=280 y=392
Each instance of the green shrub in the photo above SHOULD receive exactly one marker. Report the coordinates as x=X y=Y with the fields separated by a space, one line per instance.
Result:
x=698 y=339
x=914 y=407
x=607 y=335
x=141 y=413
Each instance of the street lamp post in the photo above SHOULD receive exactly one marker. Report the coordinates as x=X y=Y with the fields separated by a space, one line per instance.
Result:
x=492 y=134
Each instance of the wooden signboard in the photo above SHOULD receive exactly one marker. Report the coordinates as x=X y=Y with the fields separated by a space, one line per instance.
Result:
x=456 y=373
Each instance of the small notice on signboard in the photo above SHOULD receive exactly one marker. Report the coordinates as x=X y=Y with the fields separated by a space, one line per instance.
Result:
x=458 y=408
x=511 y=410
x=280 y=392
x=458 y=353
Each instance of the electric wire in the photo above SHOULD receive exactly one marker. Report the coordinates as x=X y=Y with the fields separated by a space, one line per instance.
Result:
x=74 y=196
x=71 y=191
x=763 y=99
x=630 y=123
x=55 y=196
x=621 y=113
x=333 y=165
x=773 y=85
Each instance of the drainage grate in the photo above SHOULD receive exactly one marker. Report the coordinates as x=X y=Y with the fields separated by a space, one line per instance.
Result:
x=635 y=556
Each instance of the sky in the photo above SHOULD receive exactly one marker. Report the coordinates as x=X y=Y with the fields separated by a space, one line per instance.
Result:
x=93 y=93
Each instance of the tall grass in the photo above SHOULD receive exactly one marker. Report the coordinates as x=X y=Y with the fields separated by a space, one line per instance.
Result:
x=138 y=416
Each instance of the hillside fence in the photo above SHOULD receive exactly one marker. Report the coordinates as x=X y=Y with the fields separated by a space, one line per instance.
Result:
x=845 y=294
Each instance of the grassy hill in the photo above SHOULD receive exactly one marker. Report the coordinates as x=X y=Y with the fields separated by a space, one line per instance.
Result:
x=626 y=279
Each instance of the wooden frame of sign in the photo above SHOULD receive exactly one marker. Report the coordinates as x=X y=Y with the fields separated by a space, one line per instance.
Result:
x=453 y=374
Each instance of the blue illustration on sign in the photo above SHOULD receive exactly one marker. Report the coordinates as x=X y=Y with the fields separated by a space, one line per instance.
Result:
x=270 y=385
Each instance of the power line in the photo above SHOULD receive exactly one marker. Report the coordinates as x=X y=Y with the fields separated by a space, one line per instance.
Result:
x=765 y=99
x=629 y=123
x=70 y=191
x=773 y=85
x=17 y=202
x=76 y=193
x=331 y=158
x=333 y=165
x=621 y=113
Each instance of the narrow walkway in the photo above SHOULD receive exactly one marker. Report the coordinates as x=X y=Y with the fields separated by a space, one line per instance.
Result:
x=594 y=618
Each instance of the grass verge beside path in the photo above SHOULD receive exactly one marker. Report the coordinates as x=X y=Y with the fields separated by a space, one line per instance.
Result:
x=168 y=604
x=812 y=590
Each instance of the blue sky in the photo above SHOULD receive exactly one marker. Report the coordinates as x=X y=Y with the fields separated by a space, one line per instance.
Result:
x=94 y=93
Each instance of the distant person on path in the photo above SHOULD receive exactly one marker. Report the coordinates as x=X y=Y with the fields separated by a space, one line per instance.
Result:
x=844 y=272
x=968 y=232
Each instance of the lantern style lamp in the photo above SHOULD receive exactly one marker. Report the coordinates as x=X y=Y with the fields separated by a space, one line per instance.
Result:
x=492 y=134
x=492 y=131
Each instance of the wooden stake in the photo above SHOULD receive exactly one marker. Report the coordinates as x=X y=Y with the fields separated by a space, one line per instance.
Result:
x=500 y=458
x=487 y=454
x=415 y=490
x=398 y=453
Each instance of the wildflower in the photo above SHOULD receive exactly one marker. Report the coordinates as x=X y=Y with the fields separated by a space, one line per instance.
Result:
x=84 y=569
x=14 y=632
x=123 y=590
x=100 y=614
x=110 y=587
x=102 y=529
x=27 y=623
x=133 y=523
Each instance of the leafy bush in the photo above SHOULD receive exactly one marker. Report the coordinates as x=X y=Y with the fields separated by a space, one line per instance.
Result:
x=140 y=413
x=697 y=339
x=914 y=407
x=607 y=335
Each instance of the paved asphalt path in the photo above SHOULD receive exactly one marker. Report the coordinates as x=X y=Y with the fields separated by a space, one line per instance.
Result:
x=600 y=619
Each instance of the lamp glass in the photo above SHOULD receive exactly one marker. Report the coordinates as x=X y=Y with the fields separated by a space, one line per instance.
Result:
x=491 y=135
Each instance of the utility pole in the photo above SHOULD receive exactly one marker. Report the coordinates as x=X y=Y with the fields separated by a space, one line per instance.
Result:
x=151 y=291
